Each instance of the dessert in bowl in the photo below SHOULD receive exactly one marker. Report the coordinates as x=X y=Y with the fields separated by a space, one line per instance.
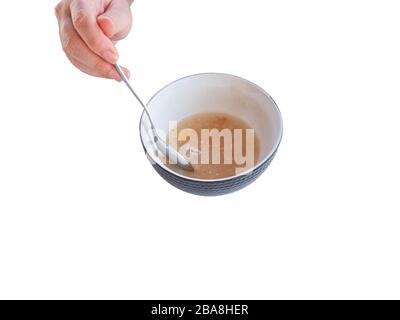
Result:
x=228 y=102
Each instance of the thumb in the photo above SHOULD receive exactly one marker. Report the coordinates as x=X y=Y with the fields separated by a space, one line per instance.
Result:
x=116 y=21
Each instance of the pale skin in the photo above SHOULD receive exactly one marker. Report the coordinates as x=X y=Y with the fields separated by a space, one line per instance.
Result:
x=89 y=31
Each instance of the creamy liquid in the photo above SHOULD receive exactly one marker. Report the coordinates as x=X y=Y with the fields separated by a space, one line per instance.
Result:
x=219 y=121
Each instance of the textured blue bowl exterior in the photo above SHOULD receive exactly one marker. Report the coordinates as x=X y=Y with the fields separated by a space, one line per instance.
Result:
x=213 y=188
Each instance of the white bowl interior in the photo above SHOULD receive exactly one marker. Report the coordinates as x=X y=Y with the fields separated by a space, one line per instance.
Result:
x=211 y=92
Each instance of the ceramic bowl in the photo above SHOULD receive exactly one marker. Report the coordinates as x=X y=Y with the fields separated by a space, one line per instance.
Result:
x=214 y=92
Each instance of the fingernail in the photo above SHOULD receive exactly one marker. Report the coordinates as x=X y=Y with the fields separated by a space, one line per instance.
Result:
x=110 y=56
x=114 y=76
x=128 y=74
x=112 y=73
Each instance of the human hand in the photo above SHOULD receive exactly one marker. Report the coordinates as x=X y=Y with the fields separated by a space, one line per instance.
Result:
x=89 y=30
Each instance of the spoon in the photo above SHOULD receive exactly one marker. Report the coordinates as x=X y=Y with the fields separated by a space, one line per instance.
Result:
x=167 y=150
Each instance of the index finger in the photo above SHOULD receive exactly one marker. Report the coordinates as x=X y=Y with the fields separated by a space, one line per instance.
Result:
x=84 y=18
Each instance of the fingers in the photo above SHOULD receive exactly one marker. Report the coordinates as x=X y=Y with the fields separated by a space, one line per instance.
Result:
x=82 y=57
x=86 y=45
x=84 y=19
x=116 y=21
x=95 y=72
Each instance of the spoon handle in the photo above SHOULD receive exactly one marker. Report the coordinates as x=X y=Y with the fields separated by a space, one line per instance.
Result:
x=166 y=149
x=126 y=81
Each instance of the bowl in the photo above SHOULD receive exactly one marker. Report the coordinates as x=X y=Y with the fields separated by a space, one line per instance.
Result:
x=213 y=92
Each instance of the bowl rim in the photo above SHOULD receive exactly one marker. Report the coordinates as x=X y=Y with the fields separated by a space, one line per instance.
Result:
x=245 y=173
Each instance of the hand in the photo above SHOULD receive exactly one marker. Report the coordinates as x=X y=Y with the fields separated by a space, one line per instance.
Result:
x=89 y=30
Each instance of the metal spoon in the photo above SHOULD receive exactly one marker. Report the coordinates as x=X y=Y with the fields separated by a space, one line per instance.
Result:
x=167 y=150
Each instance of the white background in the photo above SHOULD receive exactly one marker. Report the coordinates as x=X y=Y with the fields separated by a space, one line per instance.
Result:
x=84 y=215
